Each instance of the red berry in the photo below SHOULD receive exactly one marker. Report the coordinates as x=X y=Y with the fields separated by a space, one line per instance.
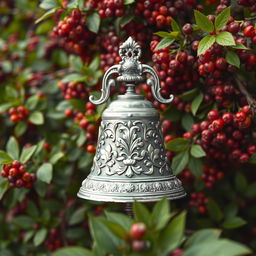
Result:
x=249 y=31
x=26 y=177
x=244 y=158
x=138 y=246
x=138 y=230
x=213 y=115
x=240 y=116
x=217 y=125
x=221 y=63
x=227 y=118
x=91 y=149
x=13 y=172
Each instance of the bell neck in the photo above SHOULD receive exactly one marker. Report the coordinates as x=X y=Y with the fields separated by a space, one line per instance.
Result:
x=130 y=91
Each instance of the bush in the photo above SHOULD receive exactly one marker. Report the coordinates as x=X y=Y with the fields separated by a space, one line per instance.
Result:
x=52 y=57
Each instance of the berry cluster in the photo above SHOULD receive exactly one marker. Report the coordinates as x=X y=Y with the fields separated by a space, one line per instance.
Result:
x=73 y=90
x=211 y=175
x=199 y=201
x=74 y=34
x=111 y=8
x=226 y=136
x=17 y=175
x=248 y=3
x=18 y=114
x=53 y=241
x=136 y=235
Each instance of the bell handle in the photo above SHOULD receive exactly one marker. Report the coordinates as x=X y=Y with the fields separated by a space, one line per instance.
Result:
x=106 y=84
x=155 y=84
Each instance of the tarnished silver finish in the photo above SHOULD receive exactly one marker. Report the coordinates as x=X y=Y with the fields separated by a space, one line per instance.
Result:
x=130 y=161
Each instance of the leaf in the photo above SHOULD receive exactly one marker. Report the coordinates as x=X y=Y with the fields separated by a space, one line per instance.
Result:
x=196 y=103
x=3 y=187
x=76 y=63
x=221 y=247
x=24 y=222
x=172 y=236
x=126 y=2
x=214 y=210
x=240 y=46
x=44 y=173
x=74 y=78
x=195 y=165
x=165 y=34
x=165 y=42
x=189 y=95
x=48 y=4
x=203 y=22
x=197 y=151
x=40 y=236
x=202 y=236
x=126 y=19
x=32 y=102
x=222 y=19
x=175 y=26
x=56 y=157
x=20 y=128
x=78 y=216
x=72 y=251
x=161 y=214
x=205 y=44
x=178 y=144
x=120 y=219
x=93 y=22
x=36 y=118
x=225 y=38
x=27 y=153
x=103 y=237
x=141 y=213
x=46 y=15
x=233 y=59
x=180 y=161
x=234 y=222
x=187 y=121
x=5 y=158
x=28 y=235
x=12 y=148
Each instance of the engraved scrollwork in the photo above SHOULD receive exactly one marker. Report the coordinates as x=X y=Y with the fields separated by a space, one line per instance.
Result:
x=130 y=148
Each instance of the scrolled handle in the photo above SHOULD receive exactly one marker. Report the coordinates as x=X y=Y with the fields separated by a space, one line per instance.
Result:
x=106 y=84
x=155 y=84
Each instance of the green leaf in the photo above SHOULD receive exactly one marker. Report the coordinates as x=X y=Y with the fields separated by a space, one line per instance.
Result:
x=222 y=19
x=175 y=26
x=180 y=161
x=76 y=63
x=164 y=34
x=12 y=148
x=141 y=213
x=189 y=95
x=74 y=78
x=20 y=128
x=203 y=22
x=234 y=222
x=48 y=4
x=165 y=42
x=187 y=121
x=178 y=145
x=225 y=38
x=3 y=186
x=240 y=182
x=28 y=235
x=214 y=210
x=127 y=2
x=195 y=165
x=196 y=103
x=120 y=219
x=46 y=15
x=233 y=59
x=172 y=236
x=221 y=247
x=72 y=251
x=202 y=236
x=40 y=236
x=56 y=157
x=161 y=214
x=240 y=46
x=32 y=102
x=78 y=216
x=36 y=118
x=126 y=19
x=27 y=153
x=103 y=237
x=24 y=222
x=5 y=158
x=205 y=44
x=197 y=151
x=44 y=173
x=115 y=228
x=93 y=22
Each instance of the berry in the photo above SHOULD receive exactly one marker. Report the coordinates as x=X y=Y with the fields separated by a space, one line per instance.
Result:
x=213 y=115
x=139 y=246
x=138 y=230
x=217 y=125
x=248 y=31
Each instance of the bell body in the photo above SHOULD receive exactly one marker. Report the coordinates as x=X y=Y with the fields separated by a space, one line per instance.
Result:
x=130 y=161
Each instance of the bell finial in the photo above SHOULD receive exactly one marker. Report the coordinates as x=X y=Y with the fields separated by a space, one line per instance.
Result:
x=130 y=70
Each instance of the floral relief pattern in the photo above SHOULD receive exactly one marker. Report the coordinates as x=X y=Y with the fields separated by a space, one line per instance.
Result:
x=129 y=148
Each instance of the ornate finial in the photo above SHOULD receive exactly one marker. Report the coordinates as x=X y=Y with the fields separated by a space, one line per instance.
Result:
x=130 y=70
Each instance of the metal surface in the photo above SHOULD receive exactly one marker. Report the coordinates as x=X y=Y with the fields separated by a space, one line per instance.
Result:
x=130 y=161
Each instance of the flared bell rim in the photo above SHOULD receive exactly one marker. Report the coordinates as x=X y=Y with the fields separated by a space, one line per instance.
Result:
x=137 y=190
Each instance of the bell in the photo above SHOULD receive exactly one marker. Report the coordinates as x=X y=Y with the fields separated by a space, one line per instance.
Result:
x=130 y=161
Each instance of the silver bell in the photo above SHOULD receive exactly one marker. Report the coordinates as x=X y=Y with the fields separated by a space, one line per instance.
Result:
x=130 y=161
